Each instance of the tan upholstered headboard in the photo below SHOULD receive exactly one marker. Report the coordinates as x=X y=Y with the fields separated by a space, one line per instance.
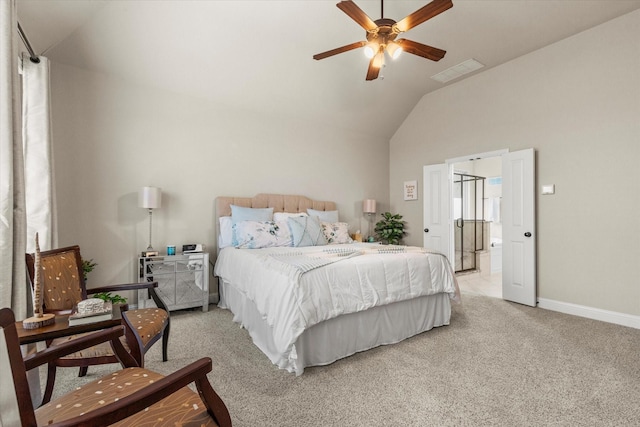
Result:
x=279 y=203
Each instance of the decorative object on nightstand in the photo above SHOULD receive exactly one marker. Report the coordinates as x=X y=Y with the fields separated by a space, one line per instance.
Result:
x=369 y=208
x=150 y=198
x=192 y=248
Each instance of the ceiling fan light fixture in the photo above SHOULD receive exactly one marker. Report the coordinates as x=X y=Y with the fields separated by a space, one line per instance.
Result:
x=381 y=35
x=370 y=49
x=378 y=61
x=394 y=50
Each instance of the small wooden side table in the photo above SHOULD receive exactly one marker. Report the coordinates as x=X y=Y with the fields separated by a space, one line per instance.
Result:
x=61 y=329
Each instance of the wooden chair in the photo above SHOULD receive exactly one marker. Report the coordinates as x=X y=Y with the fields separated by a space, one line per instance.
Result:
x=63 y=287
x=132 y=396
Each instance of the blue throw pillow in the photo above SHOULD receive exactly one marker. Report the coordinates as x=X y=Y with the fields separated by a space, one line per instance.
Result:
x=306 y=231
x=324 y=216
x=240 y=213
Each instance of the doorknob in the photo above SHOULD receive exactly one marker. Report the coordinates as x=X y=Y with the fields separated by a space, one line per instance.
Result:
x=426 y=230
x=527 y=234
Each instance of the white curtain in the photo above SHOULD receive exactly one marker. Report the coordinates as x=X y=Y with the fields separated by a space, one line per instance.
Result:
x=38 y=154
x=13 y=286
x=27 y=201
x=13 y=289
x=39 y=183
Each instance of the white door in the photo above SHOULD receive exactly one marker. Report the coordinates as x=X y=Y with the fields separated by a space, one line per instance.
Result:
x=437 y=204
x=518 y=227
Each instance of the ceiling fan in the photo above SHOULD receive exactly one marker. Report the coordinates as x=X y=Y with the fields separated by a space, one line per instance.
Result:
x=382 y=33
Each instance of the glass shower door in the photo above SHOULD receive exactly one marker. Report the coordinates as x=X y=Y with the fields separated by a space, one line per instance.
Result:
x=468 y=215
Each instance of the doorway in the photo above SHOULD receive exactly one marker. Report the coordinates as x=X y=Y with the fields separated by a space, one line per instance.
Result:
x=476 y=203
x=515 y=208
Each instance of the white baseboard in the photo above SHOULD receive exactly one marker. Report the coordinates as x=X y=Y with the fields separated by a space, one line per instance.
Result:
x=591 y=313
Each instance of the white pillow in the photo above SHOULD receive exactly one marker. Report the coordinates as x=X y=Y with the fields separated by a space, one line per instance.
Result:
x=336 y=232
x=283 y=216
x=225 y=232
x=261 y=234
x=324 y=216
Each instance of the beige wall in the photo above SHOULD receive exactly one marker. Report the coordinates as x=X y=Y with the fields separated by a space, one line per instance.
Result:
x=577 y=103
x=111 y=138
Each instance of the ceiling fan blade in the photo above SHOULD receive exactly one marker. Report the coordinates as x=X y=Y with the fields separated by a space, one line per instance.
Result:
x=374 y=66
x=432 y=53
x=427 y=12
x=355 y=13
x=339 y=50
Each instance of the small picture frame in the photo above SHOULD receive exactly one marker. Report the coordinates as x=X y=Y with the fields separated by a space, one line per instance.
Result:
x=411 y=190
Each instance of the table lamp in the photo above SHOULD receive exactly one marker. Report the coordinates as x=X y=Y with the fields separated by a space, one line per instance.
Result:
x=150 y=198
x=369 y=208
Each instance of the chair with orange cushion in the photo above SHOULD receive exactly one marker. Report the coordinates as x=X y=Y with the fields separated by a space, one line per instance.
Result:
x=63 y=286
x=129 y=397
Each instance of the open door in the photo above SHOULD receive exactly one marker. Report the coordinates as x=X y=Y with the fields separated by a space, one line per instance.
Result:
x=437 y=229
x=518 y=227
x=518 y=219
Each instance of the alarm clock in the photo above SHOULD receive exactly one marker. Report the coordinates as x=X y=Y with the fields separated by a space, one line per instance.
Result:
x=192 y=248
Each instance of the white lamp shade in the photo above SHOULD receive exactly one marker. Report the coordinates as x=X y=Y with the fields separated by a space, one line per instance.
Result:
x=150 y=197
x=369 y=206
x=394 y=50
x=370 y=50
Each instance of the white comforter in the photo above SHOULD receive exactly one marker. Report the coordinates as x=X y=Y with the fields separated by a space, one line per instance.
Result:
x=291 y=301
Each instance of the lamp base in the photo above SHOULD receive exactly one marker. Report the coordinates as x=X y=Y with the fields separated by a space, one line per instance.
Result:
x=148 y=253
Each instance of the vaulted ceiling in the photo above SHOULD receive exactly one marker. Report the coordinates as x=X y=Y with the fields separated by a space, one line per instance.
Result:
x=257 y=55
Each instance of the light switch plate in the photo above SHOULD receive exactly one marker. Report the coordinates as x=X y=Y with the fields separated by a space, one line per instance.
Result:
x=549 y=189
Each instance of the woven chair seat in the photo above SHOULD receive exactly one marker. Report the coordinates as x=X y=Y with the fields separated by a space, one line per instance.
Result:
x=183 y=408
x=100 y=350
x=147 y=322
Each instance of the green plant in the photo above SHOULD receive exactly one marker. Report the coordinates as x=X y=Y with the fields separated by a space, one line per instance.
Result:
x=114 y=299
x=87 y=267
x=390 y=229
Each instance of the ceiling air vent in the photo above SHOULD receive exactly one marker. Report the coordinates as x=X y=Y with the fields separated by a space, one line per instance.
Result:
x=457 y=70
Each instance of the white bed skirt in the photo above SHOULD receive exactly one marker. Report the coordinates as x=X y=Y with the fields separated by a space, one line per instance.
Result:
x=343 y=336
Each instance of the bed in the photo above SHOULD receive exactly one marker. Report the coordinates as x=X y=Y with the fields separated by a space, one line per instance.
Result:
x=312 y=304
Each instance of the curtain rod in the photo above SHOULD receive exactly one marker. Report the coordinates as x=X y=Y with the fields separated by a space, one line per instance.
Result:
x=32 y=55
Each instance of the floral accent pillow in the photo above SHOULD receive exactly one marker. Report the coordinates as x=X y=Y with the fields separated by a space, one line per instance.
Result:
x=336 y=232
x=306 y=231
x=261 y=234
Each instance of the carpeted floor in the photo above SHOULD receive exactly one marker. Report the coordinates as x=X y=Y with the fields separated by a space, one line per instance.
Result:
x=497 y=364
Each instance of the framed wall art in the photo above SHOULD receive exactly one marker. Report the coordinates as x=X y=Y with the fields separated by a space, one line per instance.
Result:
x=411 y=190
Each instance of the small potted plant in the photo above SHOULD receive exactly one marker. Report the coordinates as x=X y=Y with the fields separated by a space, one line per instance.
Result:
x=390 y=229
x=113 y=299
x=87 y=267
